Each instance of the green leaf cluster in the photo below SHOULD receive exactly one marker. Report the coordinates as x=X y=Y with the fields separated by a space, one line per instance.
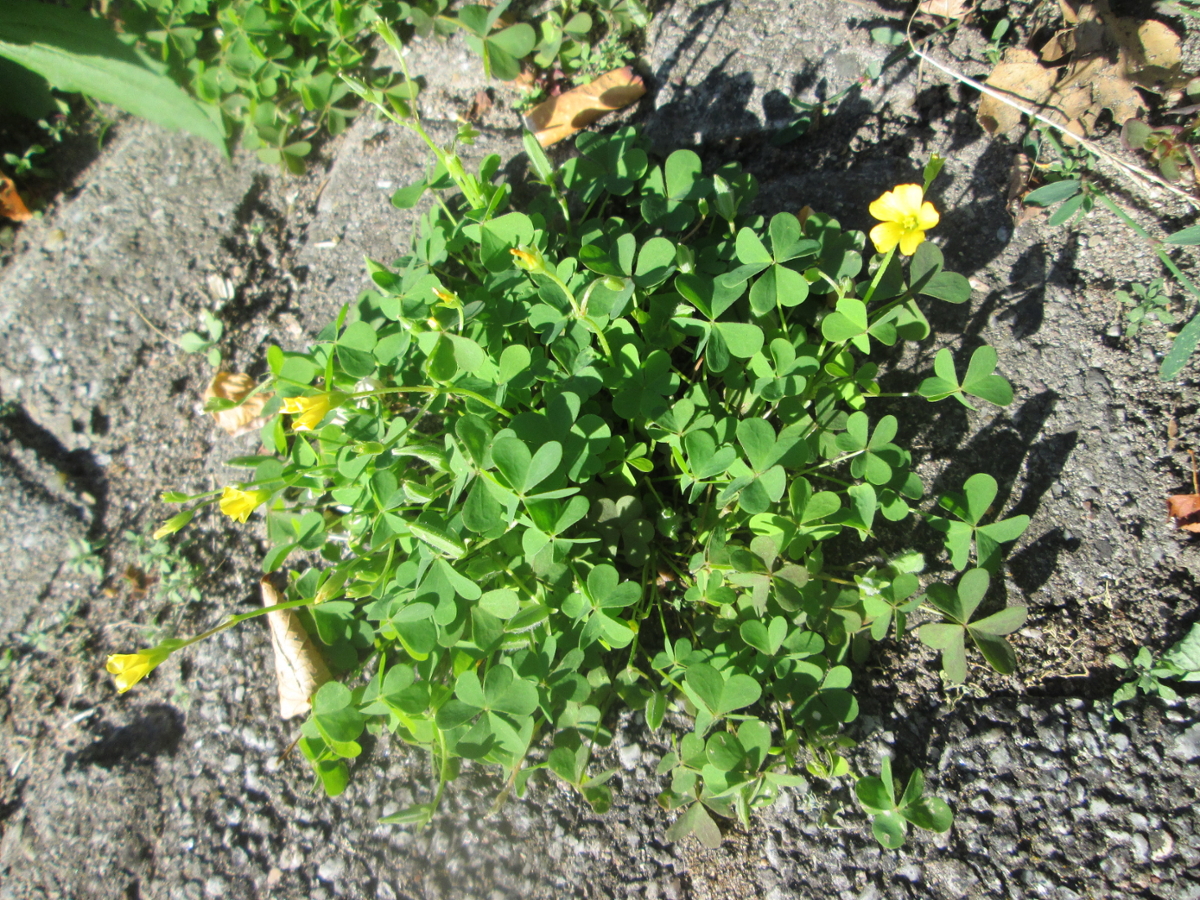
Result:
x=597 y=452
x=44 y=45
x=275 y=71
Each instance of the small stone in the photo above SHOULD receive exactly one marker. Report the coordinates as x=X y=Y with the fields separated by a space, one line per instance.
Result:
x=630 y=755
x=331 y=869
x=1162 y=845
x=214 y=887
x=1140 y=848
x=290 y=859
x=274 y=876
x=1187 y=746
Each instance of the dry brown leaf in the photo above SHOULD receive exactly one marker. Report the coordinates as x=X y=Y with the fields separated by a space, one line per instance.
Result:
x=1185 y=510
x=1019 y=175
x=479 y=106
x=1019 y=73
x=299 y=667
x=11 y=204
x=247 y=415
x=1090 y=86
x=1106 y=57
x=561 y=116
x=139 y=580
x=947 y=9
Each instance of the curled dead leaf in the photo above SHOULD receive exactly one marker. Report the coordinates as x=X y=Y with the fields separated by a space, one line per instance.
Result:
x=11 y=204
x=1185 y=508
x=561 y=116
x=299 y=667
x=236 y=387
x=1019 y=176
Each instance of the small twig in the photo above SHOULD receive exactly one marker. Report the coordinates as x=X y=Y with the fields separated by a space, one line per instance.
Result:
x=162 y=334
x=1139 y=176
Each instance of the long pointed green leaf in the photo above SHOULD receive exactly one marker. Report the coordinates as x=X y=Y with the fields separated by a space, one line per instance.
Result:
x=77 y=52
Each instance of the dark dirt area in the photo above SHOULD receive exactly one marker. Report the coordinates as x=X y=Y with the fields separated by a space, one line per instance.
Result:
x=182 y=788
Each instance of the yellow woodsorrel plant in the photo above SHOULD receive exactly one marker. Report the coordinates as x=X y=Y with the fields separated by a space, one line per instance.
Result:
x=597 y=451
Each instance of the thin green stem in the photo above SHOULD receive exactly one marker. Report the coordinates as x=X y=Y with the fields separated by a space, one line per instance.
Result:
x=242 y=617
x=429 y=389
x=1162 y=254
x=887 y=261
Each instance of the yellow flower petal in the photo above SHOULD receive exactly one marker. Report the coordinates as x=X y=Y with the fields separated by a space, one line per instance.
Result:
x=909 y=197
x=905 y=219
x=238 y=504
x=898 y=204
x=885 y=236
x=310 y=410
x=928 y=217
x=128 y=669
x=885 y=208
x=910 y=240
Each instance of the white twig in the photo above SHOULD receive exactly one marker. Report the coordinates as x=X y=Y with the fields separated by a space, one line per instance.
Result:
x=1139 y=176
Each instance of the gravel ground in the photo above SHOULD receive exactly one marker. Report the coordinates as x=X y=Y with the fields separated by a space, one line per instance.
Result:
x=183 y=789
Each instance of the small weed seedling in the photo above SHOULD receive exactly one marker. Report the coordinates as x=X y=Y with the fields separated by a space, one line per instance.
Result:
x=206 y=339
x=24 y=164
x=85 y=558
x=159 y=566
x=995 y=48
x=1180 y=663
x=1074 y=194
x=1147 y=301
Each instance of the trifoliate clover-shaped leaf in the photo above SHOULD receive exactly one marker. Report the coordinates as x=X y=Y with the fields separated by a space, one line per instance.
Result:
x=890 y=817
x=970 y=508
x=979 y=380
x=850 y=322
x=958 y=605
x=877 y=457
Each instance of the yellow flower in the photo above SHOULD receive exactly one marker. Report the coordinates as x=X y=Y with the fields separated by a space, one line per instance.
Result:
x=311 y=410
x=529 y=259
x=238 y=504
x=904 y=219
x=128 y=669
